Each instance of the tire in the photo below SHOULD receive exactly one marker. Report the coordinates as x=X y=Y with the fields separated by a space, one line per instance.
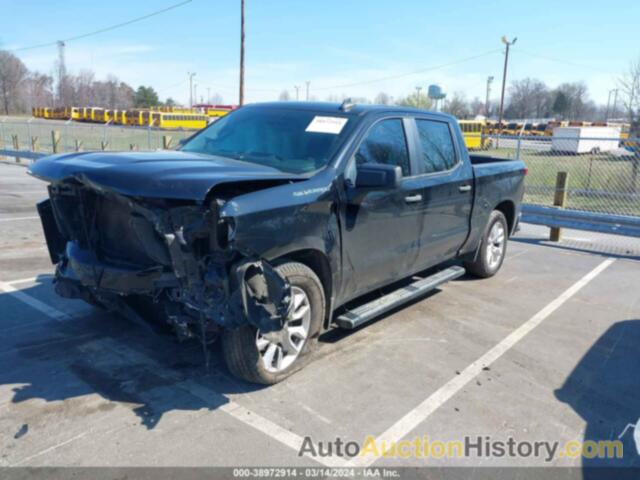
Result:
x=240 y=346
x=489 y=258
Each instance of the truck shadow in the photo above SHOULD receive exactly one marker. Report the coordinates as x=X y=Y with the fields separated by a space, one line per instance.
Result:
x=104 y=354
x=604 y=389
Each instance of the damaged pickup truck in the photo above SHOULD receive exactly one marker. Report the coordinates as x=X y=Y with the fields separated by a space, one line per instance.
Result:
x=262 y=227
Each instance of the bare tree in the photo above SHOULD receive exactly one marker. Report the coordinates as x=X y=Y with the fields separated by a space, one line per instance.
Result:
x=111 y=91
x=82 y=88
x=284 y=96
x=575 y=100
x=382 y=99
x=12 y=73
x=35 y=90
x=629 y=85
x=457 y=105
x=417 y=100
x=630 y=89
x=477 y=107
x=217 y=99
x=528 y=98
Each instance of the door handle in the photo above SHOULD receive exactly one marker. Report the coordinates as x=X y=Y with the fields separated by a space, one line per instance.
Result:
x=464 y=188
x=413 y=198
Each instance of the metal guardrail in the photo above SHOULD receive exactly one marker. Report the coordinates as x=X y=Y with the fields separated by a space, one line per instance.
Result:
x=22 y=154
x=579 y=220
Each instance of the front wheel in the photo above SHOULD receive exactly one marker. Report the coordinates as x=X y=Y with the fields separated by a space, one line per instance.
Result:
x=272 y=357
x=493 y=247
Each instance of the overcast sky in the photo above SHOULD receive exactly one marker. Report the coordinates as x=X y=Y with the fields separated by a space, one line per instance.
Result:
x=331 y=43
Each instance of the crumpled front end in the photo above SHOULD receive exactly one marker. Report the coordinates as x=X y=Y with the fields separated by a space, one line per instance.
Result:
x=174 y=259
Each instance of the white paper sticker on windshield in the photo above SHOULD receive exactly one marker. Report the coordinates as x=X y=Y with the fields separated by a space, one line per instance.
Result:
x=331 y=125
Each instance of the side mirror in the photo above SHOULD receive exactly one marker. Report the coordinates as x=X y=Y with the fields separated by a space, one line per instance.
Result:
x=182 y=141
x=378 y=176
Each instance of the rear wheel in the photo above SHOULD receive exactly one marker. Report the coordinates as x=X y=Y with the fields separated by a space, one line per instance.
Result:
x=272 y=357
x=492 y=249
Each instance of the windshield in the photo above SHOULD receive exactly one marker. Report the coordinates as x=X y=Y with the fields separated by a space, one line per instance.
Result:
x=294 y=141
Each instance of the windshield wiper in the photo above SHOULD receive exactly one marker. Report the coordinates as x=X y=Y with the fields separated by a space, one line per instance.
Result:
x=226 y=153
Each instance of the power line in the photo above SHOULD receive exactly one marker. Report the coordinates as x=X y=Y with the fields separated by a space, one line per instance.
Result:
x=171 y=87
x=415 y=72
x=566 y=62
x=103 y=30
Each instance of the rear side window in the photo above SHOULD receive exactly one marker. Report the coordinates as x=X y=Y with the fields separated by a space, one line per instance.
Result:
x=385 y=143
x=438 y=152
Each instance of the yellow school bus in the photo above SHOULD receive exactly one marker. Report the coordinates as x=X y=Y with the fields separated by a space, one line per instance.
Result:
x=96 y=115
x=74 y=113
x=102 y=115
x=120 y=117
x=182 y=110
x=137 y=117
x=217 y=112
x=474 y=134
x=146 y=118
x=538 y=130
x=172 y=120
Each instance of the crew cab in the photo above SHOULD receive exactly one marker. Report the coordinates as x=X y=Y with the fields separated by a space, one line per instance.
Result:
x=262 y=227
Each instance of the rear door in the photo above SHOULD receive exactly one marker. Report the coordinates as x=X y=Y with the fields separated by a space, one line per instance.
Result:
x=446 y=179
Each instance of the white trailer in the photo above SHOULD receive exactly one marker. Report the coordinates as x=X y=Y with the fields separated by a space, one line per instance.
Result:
x=585 y=139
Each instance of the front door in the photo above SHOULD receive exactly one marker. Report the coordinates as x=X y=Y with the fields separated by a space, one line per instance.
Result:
x=381 y=228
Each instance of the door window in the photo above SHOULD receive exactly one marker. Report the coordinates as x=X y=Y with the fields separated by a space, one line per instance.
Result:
x=385 y=143
x=438 y=152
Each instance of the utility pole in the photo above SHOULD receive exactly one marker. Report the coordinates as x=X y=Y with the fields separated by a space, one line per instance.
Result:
x=62 y=73
x=486 y=102
x=504 y=79
x=297 y=87
x=191 y=75
x=419 y=100
x=195 y=92
x=241 y=99
x=308 y=83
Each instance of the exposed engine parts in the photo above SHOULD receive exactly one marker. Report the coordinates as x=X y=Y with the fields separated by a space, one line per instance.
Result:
x=127 y=254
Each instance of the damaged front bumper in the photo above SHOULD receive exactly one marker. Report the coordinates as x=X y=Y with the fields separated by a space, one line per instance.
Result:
x=178 y=261
x=81 y=266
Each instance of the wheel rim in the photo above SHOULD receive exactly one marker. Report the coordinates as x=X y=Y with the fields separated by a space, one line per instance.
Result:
x=296 y=328
x=496 y=242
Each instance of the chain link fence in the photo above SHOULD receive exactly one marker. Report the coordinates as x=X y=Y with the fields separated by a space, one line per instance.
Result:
x=36 y=135
x=599 y=195
x=603 y=173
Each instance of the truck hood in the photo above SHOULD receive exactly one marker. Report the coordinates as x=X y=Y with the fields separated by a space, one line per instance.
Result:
x=161 y=174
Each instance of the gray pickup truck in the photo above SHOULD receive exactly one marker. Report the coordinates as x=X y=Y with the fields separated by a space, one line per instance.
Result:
x=269 y=227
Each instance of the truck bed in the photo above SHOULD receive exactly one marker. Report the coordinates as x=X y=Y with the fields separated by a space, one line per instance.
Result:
x=483 y=159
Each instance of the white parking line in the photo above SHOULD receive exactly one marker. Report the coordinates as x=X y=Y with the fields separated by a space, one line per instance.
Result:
x=402 y=427
x=27 y=280
x=34 y=302
x=419 y=414
x=228 y=406
x=16 y=219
